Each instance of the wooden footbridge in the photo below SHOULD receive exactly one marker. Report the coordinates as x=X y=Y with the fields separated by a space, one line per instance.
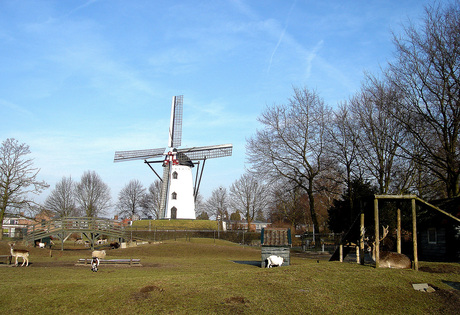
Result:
x=62 y=228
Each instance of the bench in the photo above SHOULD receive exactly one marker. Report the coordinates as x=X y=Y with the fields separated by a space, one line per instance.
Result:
x=131 y=261
x=6 y=258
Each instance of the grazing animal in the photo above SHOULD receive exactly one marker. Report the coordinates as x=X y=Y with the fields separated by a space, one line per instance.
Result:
x=274 y=261
x=94 y=264
x=24 y=254
x=98 y=254
x=41 y=245
x=114 y=245
x=390 y=259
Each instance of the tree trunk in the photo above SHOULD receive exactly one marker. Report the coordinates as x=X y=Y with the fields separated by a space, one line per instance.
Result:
x=314 y=219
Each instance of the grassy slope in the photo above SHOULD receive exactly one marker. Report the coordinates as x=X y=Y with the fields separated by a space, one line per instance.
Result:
x=176 y=224
x=201 y=277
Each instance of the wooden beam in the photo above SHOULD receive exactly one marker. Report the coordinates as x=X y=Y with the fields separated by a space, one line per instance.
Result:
x=395 y=196
x=361 y=240
x=436 y=208
x=414 y=233
x=377 y=241
x=398 y=232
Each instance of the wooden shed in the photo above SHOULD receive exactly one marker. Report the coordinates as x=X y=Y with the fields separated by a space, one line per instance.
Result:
x=439 y=235
x=276 y=241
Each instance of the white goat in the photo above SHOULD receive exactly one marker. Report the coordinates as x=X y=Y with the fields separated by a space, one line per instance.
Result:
x=98 y=254
x=100 y=242
x=41 y=245
x=274 y=261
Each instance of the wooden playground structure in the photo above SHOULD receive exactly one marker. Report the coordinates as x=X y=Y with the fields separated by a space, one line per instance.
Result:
x=340 y=252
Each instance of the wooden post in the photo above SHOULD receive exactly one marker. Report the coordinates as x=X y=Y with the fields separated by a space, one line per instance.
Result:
x=358 y=256
x=414 y=233
x=377 y=241
x=341 y=252
x=361 y=240
x=398 y=233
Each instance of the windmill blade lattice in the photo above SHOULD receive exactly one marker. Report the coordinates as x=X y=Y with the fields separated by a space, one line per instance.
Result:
x=208 y=152
x=175 y=127
x=121 y=156
x=164 y=189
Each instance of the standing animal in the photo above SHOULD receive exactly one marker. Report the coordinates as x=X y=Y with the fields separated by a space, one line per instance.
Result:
x=41 y=245
x=98 y=254
x=390 y=259
x=94 y=264
x=274 y=261
x=24 y=254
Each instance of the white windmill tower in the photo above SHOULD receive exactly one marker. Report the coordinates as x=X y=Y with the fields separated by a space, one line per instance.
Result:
x=178 y=193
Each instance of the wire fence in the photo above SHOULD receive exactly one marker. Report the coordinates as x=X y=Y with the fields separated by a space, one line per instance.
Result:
x=240 y=236
x=306 y=241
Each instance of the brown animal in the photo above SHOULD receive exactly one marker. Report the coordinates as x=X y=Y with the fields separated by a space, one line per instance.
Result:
x=390 y=259
x=24 y=254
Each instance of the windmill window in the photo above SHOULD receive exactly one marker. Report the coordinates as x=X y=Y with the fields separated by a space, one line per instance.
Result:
x=174 y=195
x=432 y=236
x=174 y=175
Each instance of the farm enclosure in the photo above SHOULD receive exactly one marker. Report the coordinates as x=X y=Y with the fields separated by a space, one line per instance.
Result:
x=200 y=276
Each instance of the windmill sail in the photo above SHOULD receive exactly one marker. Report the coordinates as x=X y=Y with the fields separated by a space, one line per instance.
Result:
x=208 y=152
x=175 y=125
x=121 y=156
x=164 y=191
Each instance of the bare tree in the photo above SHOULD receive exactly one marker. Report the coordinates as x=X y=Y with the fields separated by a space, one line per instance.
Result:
x=217 y=204
x=18 y=178
x=61 y=200
x=288 y=204
x=292 y=143
x=427 y=70
x=200 y=206
x=151 y=200
x=130 y=199
x=249 y=196
x=343 y=147
x=92 y=194
x=379 y=135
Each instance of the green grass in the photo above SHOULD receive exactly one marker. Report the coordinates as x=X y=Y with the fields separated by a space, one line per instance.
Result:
x=176 y=224
x=201 y=277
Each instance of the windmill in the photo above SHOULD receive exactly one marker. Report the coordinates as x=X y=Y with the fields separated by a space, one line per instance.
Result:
x=178 y=193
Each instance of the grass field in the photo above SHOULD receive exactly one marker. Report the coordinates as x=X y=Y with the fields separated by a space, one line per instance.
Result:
x=207 y=277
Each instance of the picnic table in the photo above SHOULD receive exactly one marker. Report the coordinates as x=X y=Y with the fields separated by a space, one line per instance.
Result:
x=121 y=261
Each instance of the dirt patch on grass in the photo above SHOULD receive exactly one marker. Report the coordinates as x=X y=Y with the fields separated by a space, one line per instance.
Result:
x=145 y=292
x=236 y=304
x=450 y=300
x=151 y=288
x=236 y=300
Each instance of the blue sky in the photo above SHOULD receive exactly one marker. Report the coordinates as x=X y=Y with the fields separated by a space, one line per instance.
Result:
x=82 y=79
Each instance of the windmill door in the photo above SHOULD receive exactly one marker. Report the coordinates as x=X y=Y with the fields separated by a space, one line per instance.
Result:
x=173 y=213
